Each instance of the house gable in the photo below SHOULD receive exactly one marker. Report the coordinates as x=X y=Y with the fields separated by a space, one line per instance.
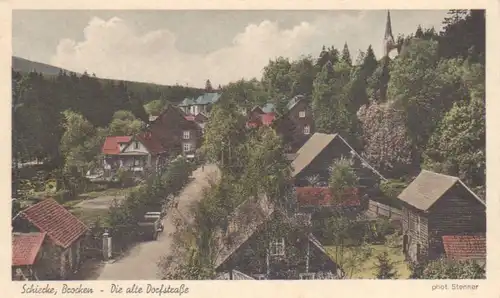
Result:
x=135 y=146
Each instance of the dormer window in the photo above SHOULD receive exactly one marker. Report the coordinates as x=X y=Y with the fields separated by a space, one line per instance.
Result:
x=136 y=145
x=302 y=114
x=186 y=135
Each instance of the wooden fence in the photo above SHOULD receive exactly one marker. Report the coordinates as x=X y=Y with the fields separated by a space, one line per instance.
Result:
x=379 y=209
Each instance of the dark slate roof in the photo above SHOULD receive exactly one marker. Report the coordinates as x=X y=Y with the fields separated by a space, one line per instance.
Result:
x=429 y=187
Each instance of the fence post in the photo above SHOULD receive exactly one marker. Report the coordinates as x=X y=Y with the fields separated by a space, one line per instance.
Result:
x=106 y=245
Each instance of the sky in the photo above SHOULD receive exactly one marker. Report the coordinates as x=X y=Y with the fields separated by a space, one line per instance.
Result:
x=189 y=47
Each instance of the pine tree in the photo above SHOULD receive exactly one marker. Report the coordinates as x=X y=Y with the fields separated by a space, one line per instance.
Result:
x=385 y=267
x=208 y=86
x=346 y=56
x=419 y=33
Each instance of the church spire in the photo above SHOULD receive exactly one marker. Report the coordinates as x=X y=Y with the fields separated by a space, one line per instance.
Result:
x=389 y=43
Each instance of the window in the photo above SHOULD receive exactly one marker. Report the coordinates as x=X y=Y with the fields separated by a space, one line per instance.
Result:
x=186 y=147
x=306 y=275
x=136 y=145
x=186 y=135
x=307 y=130
x=277 y=247
x=302 y=114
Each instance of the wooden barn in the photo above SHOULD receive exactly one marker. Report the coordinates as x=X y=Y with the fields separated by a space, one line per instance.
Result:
x=317 y=155
x=441 y=216
x=264 y=242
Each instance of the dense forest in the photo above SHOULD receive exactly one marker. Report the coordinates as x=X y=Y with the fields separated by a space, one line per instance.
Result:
x=424 y=108
x=39 y=100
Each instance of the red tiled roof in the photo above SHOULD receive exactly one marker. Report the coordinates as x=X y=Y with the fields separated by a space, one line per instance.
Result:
x=25 y=248
x=268 y=118
x=112 y=144
x=464 y=247
x=61 y=226
x=151 y=142
x=322 y=196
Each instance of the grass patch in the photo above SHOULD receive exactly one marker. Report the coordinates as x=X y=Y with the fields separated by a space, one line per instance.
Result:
x=368 y=270
x=89 y=216
x=107 y=192
x=71 y=204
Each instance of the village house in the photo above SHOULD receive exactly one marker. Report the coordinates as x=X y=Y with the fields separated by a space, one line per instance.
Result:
x=201 y=104
x=295 y=125
x=442 y=217
x=264 y=242
x=201 y=119
x=133 y=153
x=312 y=163
x=46 y=242
x=177 y=132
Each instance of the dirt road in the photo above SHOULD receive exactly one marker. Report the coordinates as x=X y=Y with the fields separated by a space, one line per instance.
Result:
x=141 y=262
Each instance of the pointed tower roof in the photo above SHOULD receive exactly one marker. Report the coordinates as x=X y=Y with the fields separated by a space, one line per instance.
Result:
x=388 y=27
x=389 y=43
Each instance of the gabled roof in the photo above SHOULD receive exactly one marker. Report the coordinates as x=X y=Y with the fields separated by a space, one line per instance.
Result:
x=207 y=98
x=189 y=117
x=112 y=144
x=268 y=118
x=151 y=142
x=268 y=108
x=293 y=101
x=62 y=227
x=186 y=102
x=465 y=247
x=25 y=248
x=429 y=187
x=243 y=223
x=315 y=145
x=322 y=197
x=308 y=152
x=246 y=220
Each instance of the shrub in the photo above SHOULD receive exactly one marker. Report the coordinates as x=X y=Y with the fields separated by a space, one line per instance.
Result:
x=450 y=269
x=63 y=196
x=385 y=267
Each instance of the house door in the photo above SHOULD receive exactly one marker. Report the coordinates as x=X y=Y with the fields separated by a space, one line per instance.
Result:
x=405 y=244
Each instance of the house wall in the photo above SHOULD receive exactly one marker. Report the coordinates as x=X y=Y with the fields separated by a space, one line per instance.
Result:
x=193 y=140
x=169 y=129
x=299 y=123
x=456 y=213
x=417 y=234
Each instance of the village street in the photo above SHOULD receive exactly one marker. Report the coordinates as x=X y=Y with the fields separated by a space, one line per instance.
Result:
x=141 y=262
